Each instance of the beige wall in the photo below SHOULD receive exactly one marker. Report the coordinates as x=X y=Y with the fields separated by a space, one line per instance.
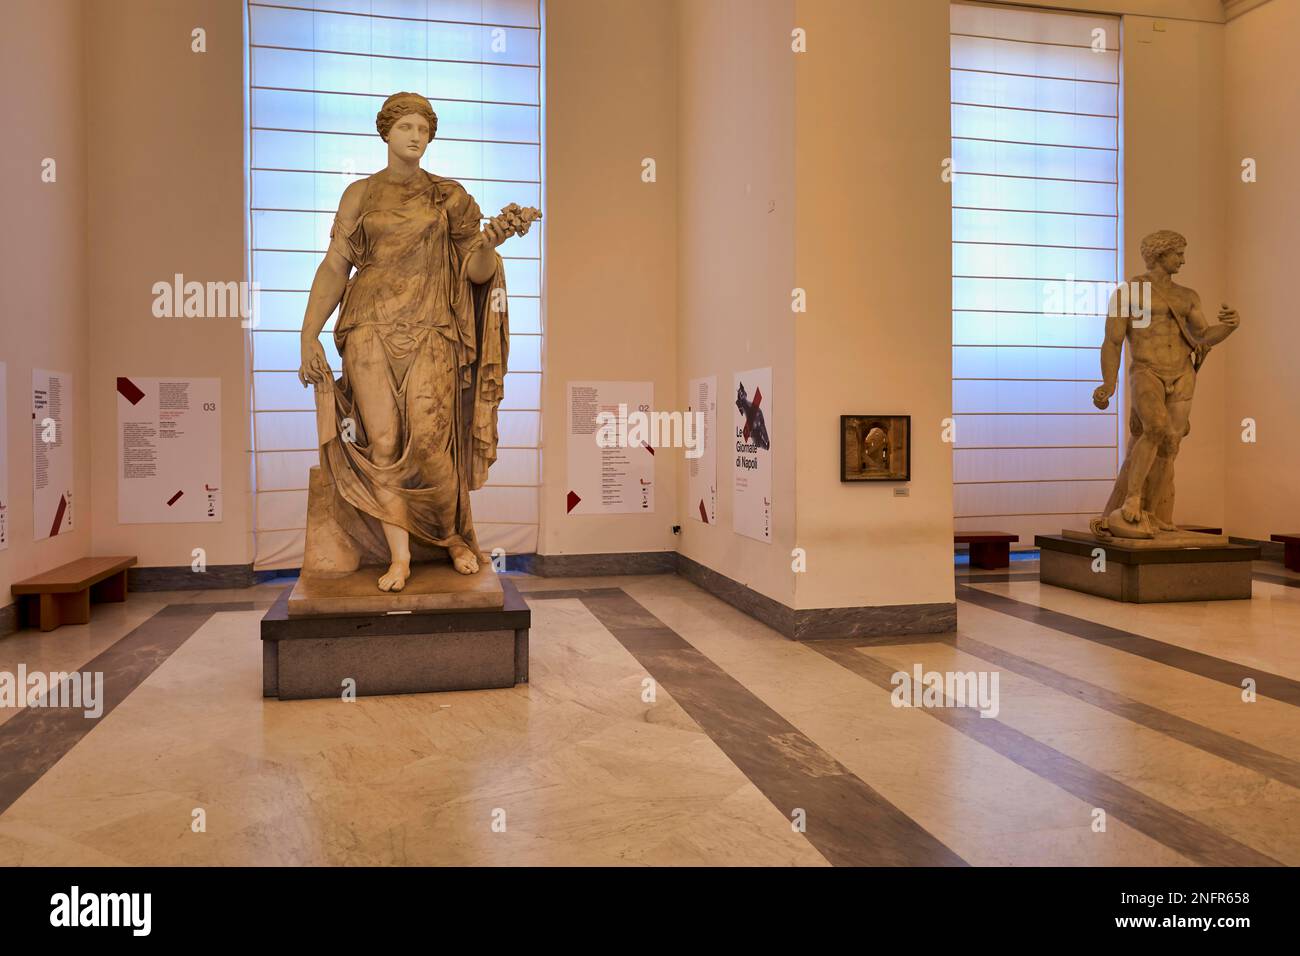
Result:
x=735 y=255
x=165 y=142
x=1175 y=178
x=43 y=318
x=873 y=228
x=611 y=284
x=1264 y=216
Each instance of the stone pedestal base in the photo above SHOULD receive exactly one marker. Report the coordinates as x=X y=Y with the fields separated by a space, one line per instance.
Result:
x=412 y=652
x=1163 y=541
x=431 y=587
x=1144 y=574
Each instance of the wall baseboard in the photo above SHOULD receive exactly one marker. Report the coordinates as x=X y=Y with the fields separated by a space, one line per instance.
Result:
x=811 y=624
x=828 y=623
x=593 y=565
x=807 y=624
x=185 y=578
x=770 y=611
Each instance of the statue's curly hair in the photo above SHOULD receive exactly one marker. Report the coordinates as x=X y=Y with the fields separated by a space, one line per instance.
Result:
x=404 y=104
x=1158 y=243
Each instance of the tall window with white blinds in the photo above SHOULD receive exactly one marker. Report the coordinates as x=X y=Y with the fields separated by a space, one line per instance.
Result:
x=1036 y=201
x=318 y=71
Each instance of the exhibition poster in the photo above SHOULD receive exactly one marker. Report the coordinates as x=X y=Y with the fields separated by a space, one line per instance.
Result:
x=702 y=469
x=751 y=510
x=611 y=458
x=168 y=450
x=51 y=453
x=4 y=460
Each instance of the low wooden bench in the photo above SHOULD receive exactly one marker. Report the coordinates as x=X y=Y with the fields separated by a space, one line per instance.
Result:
x=988 y=549
x=1291 y=553
x=64 y=595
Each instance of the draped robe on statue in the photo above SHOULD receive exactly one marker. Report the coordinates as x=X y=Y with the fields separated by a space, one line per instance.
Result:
x=424 y=360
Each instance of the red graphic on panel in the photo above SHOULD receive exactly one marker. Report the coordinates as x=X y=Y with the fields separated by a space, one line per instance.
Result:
x=753 y=407
x=573 y=501
x=647 y=447
x=175 y=498
x=58 y=515
x=129 y=390
x=704 y=515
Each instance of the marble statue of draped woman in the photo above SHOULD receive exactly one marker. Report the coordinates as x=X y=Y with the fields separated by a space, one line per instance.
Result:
x=410 y=428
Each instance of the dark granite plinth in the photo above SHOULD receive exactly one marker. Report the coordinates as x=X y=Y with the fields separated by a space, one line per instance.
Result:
x=404 y=653
x=1147 y=575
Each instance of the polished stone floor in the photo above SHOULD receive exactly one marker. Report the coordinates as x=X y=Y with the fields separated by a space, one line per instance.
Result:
x=662 y=726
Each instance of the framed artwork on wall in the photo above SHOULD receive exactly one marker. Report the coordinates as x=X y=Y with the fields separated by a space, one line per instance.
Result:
x=875 y=448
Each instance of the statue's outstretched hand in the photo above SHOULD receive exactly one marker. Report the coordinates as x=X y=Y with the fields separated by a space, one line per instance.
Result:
x=315 y=368
x=514 y=220
x=496 y=232
x=1228 y=316
x=1101 y=395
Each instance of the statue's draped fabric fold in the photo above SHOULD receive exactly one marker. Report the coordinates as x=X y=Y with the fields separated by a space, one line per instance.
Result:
x=412 y=427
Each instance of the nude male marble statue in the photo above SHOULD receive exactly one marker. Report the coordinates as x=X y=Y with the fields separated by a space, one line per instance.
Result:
x=1167 y=344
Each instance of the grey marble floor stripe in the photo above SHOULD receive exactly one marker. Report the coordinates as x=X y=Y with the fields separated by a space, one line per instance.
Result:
x=1276 y=686
x=847 y=821
x=1162 y=823
x=1211 y=741
x=36 y=738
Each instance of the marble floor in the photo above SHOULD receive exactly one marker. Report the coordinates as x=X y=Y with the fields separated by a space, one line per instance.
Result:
x=664 y=727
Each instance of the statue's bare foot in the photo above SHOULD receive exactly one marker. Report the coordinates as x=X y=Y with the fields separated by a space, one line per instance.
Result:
x=1132 y=509
x=463 y=559
x=1163 y=525
x=396 y=577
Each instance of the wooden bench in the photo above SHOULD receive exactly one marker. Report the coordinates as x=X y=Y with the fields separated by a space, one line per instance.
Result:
x=1292 y=550
x=64 y=595
x=988 y=549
